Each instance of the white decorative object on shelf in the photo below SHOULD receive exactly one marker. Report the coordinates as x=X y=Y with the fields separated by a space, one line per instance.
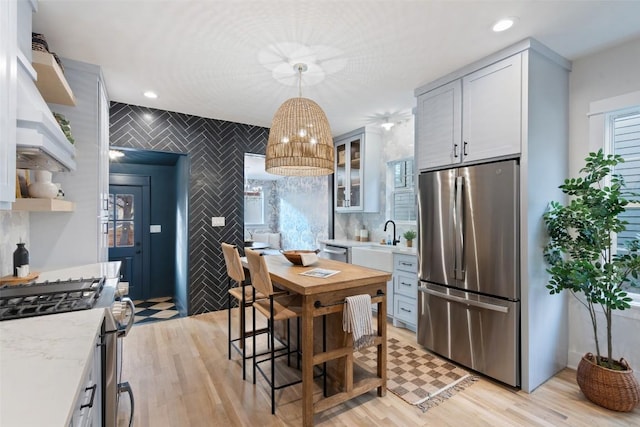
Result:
x=43 y=188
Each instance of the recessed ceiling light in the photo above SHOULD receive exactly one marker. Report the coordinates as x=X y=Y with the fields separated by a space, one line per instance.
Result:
x=503 y=24
x=115 y=154
x=151 y=95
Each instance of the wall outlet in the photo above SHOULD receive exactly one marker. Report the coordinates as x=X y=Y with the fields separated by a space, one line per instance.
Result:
x=217 y=221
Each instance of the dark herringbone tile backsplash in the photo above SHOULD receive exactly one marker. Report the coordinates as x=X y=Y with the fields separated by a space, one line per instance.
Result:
x=216 y=149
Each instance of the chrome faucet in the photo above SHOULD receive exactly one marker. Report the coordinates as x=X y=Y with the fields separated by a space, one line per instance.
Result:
x=394 y=242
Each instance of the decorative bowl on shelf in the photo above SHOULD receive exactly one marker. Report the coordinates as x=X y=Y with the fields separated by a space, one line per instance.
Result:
x=296 y=256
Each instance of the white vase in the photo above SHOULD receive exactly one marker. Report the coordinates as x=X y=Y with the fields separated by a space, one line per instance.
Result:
x=43 y=188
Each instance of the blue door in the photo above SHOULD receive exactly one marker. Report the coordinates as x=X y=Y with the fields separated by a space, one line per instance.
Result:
x=125 y=235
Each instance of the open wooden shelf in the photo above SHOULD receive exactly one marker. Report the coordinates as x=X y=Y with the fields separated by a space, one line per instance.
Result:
x=51 y=82
x=43 y=205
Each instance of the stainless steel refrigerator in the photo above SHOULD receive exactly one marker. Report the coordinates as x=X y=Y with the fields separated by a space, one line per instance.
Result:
x=469 y=293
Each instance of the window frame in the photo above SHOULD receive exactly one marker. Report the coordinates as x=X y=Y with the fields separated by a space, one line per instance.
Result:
x=601 y=135
x=255 y=193
x=393 y=190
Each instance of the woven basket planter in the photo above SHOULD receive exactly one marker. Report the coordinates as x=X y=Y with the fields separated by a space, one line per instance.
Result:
x=611 y=389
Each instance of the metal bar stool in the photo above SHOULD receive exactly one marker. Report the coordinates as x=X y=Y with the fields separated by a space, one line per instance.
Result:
x=245 y=295
x=274 y=308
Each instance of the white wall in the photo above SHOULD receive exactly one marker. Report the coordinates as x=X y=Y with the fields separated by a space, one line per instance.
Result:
x=605 y=74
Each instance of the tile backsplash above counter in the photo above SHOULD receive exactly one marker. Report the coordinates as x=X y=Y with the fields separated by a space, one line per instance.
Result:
x=14 y=228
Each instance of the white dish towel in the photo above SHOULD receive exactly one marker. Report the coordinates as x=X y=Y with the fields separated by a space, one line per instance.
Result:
x=308 y=258
x=356 y=319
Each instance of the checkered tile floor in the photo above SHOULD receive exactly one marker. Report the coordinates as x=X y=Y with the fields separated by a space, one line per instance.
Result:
x=155 y=309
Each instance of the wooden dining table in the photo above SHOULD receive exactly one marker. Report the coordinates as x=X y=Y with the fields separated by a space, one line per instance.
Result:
x=325 y=296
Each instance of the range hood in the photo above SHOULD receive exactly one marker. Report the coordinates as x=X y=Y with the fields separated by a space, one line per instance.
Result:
x=40 y=143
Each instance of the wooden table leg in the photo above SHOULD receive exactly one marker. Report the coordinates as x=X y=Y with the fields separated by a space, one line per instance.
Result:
x=382 y=349
x=307 y=362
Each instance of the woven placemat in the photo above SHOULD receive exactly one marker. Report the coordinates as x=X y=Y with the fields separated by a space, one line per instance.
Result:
x=416 y=375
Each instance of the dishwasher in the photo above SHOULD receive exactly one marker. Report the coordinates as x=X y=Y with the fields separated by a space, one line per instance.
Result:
x=337 y=253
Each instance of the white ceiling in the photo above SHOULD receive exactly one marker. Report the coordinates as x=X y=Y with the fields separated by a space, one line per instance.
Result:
x=206 y=57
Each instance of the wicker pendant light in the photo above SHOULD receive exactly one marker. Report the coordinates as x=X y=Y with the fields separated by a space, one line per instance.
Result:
x=300 y=142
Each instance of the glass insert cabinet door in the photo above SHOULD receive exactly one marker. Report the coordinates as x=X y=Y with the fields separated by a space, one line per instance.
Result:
x=341 y=176
x=348 y=175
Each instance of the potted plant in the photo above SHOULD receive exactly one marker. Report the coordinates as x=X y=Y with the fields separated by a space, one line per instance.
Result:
x=582 y=260
x=409 y=235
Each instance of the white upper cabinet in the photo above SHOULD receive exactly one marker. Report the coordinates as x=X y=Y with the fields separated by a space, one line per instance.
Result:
x=492 y=110
x=349 y=173
x=439 y=126
x=357 y=167
x=8 y=79
x=475 y=117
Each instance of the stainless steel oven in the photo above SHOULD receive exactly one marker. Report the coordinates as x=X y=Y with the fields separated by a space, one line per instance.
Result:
x=119 y=319
x=53 y=297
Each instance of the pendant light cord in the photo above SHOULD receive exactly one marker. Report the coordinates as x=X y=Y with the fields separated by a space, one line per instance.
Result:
x=299 y=81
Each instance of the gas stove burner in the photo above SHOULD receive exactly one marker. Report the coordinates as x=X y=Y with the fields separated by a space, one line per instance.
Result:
x=38 y=299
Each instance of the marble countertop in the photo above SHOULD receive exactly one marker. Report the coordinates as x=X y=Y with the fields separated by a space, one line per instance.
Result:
x=43 y=362
x=345 y=243
x=355 y=243
x=43 y=359
x=108 y=269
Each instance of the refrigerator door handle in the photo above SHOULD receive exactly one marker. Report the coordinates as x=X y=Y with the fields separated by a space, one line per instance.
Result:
x=464 y=301
x=459 y=229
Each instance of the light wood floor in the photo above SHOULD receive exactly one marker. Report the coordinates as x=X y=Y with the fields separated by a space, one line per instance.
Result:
x=180 y=376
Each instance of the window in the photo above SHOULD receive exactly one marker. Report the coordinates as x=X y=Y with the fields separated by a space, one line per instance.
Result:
x=121 y=216
x=403 y=174
x=623 y=134
x=253 y=206
x=403 y=200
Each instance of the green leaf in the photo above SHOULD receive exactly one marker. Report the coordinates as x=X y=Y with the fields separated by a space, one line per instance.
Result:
x=580 y=244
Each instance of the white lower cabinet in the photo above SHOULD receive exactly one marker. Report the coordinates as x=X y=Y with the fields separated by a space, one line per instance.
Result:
x=405 y=291
x=402 y=289
x=87 y=411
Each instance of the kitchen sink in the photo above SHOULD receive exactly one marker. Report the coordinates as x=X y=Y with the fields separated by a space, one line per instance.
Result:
x=373 y=257
x=378 y=256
